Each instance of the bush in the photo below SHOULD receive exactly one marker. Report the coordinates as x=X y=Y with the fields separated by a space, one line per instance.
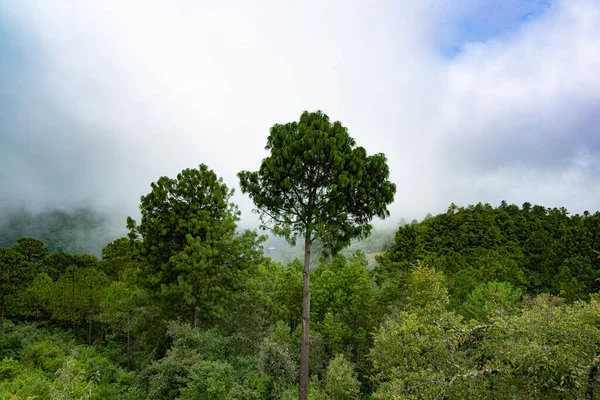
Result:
x=341 y=380
x=209 y=380
x=9 y=369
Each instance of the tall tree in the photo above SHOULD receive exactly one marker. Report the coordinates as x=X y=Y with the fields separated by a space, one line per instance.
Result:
x=92 y=282
x=117 y=258
x=15 y=272
x=120 y=304
x=55 y=265
x=317 y=184
x=33 y=249
x=343 y=302
x=189 y=248
x=66 y=303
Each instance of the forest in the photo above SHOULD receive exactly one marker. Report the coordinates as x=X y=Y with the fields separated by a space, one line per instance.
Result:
x=479 y=302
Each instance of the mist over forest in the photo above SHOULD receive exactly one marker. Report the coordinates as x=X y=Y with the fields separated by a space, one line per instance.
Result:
x=436 y=163
x=84 y=230
x=73 y=230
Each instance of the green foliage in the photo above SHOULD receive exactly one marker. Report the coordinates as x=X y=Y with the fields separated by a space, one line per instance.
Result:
x=16 y=338
x=180 y=210
x=318 y=351
x=341 y=381
x=492 y=299
x=199 y=364
x=275 y=361
x=211 y=343
x=417 y=349
x=209 y=380
x=281 y=334
x=534 y=248
x=548 y=351
x=9 y=369
x=15 y=273
x=342 y=303
x=122 y=310
x=165 y=378
x=425 y=291
x=76 y=295
x=318 y=183
x=57 y=264
x=25 y=385
x=36 y=298
x=48 y=364
x=575 y=276
x=47 y=352
x=390 y=333
x=412 y=354
x=119 y=303
x=71 y=382
x=34 y=250
x=287 y=294
x=117 y=258
x=189 y=249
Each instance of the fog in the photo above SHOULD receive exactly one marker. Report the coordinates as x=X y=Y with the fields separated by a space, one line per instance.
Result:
x=471 y=101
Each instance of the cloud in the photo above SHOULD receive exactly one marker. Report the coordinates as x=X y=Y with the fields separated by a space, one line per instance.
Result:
x=116 y=94
x=526 y=108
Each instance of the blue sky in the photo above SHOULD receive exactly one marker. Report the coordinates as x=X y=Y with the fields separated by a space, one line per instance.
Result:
x=471 y=100
x=491 y=20
x=498 y=17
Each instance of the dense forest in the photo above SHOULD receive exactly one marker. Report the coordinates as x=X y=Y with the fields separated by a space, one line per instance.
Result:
x=477 y=302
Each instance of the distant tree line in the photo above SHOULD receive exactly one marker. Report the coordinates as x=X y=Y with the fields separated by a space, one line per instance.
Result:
x=535 y=249
x=78 y=230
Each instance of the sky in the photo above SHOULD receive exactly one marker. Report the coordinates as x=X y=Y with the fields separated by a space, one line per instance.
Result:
x=470 y=100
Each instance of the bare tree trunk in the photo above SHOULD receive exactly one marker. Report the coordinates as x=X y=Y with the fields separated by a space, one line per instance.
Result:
x=304 y=345
x=2 y=319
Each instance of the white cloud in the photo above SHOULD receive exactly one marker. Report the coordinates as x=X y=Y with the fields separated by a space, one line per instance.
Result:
x=528 y=103
x=161 y=86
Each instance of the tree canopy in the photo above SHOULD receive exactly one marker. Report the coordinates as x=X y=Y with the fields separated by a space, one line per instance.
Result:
x=15 y=271
x=535 y=249
x=190 y=250
x=317 y=184
x=453 y=310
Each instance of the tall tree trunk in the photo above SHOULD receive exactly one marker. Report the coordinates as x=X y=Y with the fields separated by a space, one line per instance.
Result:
x=196 y=318
x=304 y=345
x=2 y=319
